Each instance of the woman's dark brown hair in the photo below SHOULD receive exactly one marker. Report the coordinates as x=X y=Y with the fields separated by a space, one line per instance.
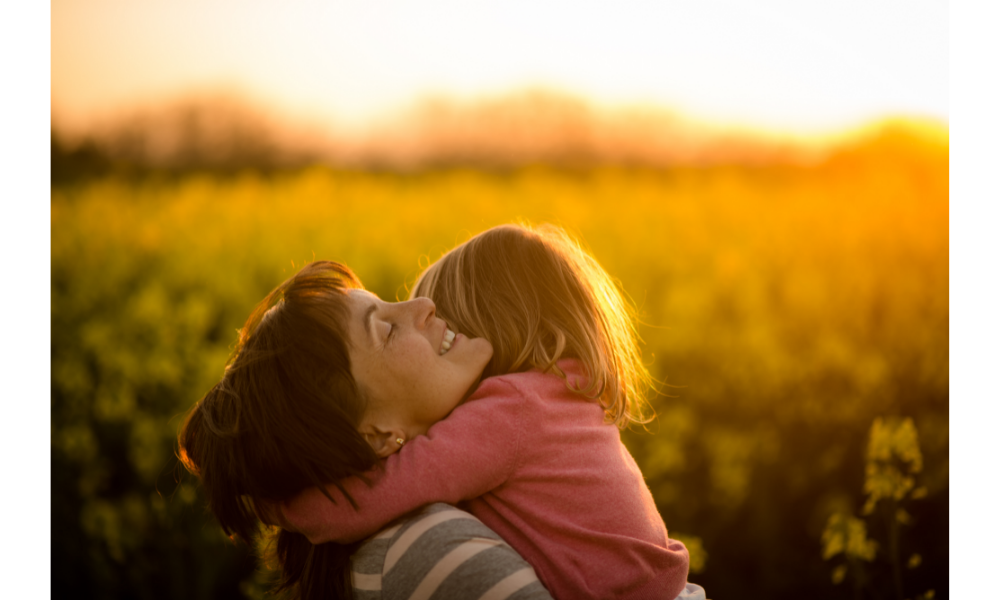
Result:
x=284 y=417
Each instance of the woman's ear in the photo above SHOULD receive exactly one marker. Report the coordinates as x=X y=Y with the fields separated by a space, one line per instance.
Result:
x=383 y=441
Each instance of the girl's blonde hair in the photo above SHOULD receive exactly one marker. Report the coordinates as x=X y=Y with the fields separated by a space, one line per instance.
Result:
x=537 y=296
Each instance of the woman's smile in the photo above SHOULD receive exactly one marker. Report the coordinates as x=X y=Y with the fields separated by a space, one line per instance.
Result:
x=449 y=339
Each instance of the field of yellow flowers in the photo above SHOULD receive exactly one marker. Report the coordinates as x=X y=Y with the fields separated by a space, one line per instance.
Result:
x=784 y=307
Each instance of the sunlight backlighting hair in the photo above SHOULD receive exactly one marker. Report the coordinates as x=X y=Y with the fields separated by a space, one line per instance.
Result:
x=284 y=417
x=537 y=296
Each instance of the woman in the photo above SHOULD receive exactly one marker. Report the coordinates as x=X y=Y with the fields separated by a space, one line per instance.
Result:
x=262 y=434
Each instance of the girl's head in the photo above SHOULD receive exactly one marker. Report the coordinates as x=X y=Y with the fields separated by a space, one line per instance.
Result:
x=324 y=379
x=538 y=297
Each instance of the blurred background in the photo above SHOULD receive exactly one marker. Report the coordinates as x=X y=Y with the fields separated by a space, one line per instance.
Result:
x=768 y=182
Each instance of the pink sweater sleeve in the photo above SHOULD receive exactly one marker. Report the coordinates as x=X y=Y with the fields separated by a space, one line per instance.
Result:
x=469 y=453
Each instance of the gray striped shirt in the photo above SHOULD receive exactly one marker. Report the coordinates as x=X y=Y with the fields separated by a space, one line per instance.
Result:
x=441 y=553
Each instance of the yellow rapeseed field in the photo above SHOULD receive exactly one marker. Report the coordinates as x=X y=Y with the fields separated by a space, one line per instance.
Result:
x=783 y=308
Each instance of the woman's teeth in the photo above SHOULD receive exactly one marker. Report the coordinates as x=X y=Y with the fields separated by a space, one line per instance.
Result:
x=449 y=337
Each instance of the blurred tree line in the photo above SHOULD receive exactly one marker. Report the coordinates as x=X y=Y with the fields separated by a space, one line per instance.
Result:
x=225 y=134
x=216 y=135
x=785 y=306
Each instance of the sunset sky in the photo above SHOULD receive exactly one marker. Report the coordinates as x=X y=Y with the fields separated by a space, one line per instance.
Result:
x=775 y=63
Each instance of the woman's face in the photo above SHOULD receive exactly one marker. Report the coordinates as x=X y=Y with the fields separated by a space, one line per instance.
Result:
x=397 y=361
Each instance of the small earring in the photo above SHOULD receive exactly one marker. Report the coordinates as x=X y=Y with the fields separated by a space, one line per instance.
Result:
x=400 y=441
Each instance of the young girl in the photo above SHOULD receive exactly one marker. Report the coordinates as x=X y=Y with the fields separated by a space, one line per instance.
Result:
x=534 y=452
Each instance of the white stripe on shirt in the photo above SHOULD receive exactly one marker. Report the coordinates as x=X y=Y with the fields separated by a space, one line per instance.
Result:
x=404 y=542
x=387 y=533
x=449 y=563
x=366 y=581
x=512 y=583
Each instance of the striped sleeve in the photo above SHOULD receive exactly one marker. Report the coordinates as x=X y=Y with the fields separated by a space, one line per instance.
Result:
x=441 y=553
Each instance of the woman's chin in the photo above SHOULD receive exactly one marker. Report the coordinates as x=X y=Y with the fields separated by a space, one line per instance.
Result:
x=479 y=348
x=472 y=354
x=472 y=350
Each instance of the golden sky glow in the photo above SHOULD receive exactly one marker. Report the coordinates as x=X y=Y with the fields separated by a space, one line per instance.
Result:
x=785 y=64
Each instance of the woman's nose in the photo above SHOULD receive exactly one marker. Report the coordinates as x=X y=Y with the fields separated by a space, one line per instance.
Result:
x=423 y=311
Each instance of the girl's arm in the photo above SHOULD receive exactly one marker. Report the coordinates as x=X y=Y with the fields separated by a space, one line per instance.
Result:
x=464 y=456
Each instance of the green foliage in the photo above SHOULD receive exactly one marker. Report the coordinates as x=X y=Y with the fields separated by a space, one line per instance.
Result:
x=783 y=308
x=893 y=459
x=848 y=535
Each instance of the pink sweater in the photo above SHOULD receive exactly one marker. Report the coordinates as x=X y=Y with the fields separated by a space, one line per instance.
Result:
x=537 y=464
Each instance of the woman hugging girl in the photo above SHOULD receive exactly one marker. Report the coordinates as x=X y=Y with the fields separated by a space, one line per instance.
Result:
x=499 y=387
